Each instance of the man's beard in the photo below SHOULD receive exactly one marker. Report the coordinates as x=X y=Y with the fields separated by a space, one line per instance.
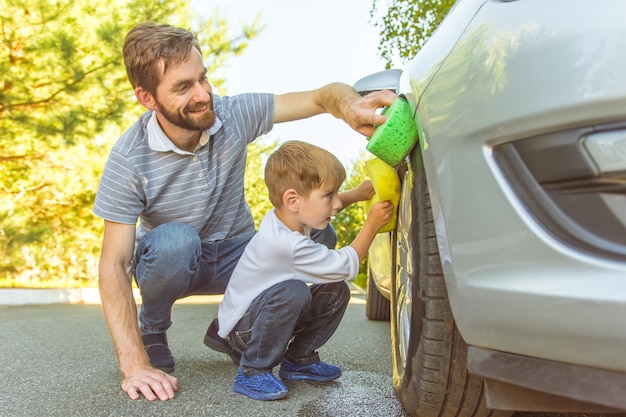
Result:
x=184 y=121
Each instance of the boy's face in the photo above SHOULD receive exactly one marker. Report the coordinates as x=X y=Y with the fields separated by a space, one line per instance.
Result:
x=319 y=207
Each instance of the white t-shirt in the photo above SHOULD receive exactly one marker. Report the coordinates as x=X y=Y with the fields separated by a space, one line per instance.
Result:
x=276 y=254
x=148 y=178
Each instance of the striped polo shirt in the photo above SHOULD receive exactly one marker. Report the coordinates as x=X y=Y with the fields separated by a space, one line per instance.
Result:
x=149 y=180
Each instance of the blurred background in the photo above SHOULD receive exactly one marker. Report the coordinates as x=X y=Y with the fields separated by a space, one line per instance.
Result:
x=65 y=99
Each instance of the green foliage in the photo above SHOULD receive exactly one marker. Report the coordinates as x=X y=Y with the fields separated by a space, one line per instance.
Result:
x=254 y=183
x=48 y=230
x=64 y=100
x=348 y=222
x=406 y=26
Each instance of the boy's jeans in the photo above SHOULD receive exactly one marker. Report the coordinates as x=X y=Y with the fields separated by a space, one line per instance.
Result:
x=171 y=262
x=288 y=311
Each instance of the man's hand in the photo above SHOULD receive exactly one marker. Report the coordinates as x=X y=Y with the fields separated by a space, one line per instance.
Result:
x=362 y=115
x=150 y=382
x=340 y=100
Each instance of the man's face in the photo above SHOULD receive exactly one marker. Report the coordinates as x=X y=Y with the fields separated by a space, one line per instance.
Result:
x=184 y=96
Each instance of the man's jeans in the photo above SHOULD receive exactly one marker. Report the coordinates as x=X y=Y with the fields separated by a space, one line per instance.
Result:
x=171 y=263
x=288 y=320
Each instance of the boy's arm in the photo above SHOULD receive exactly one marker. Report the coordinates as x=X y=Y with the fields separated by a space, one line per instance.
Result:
x=379 y=215
x=364 y=191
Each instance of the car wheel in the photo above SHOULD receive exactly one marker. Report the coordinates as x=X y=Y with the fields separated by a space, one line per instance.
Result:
x=430 y=375
x=376 y=305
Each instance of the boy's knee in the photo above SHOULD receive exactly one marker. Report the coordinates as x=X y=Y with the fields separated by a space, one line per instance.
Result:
x=297 y=288
x=333 y=293
x=342 y=289
x=296 y=292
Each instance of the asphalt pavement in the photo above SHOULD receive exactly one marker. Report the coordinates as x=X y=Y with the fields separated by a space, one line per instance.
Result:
x=58 y=360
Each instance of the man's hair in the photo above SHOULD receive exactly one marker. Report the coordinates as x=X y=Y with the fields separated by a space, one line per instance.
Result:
x=151 y=49
x=303 y=167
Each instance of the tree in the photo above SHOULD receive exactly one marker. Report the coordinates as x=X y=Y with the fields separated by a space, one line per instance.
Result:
x=254 y=182
x=406 y=26
x=64 y=99
x=348 y=222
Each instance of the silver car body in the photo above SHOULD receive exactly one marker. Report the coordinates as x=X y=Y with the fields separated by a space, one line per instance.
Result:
x=512 y=286
x=499 y=72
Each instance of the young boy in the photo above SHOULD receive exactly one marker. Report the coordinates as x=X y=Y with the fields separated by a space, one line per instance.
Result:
x=269 y=313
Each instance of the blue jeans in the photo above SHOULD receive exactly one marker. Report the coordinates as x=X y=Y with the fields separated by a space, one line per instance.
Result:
x=289 y=320
x=171 y=263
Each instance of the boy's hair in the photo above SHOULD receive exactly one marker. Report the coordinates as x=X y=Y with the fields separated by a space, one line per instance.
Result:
x=151 y=49
x=303 y=167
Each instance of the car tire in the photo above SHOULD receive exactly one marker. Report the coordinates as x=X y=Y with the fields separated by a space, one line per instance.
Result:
x=429 y=356
x=376 y=305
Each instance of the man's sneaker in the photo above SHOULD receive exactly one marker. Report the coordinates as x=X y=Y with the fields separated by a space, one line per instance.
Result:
x=262 y=387
x=318 y=371
x=215 y=342
x=158 y=351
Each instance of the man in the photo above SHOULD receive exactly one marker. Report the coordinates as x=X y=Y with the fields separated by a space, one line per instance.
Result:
x=179 y=170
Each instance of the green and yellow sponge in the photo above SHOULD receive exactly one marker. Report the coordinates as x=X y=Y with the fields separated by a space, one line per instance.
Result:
x=395 y=138
x=386 y=184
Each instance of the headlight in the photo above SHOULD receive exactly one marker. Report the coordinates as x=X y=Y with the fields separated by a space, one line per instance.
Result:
x=608 y=150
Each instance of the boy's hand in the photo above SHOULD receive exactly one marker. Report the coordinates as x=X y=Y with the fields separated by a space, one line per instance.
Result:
x=380 y=214
x=362 y=192
x=365 y=190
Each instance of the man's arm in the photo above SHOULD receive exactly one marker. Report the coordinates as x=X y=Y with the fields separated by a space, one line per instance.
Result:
x=120 y=313
x=340 y=100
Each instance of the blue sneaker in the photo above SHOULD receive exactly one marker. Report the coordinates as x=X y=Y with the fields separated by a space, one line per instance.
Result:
x=318 y=371
x=262 y=387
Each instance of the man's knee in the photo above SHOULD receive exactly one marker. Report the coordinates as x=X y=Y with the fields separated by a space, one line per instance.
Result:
x=175 y=239
x=166 y=256
x=327 y=236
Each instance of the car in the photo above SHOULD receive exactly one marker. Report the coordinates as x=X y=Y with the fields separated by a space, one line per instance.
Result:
x=505 y=278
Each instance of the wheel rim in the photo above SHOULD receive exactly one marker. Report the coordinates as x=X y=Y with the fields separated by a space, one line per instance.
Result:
x=404 y=270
